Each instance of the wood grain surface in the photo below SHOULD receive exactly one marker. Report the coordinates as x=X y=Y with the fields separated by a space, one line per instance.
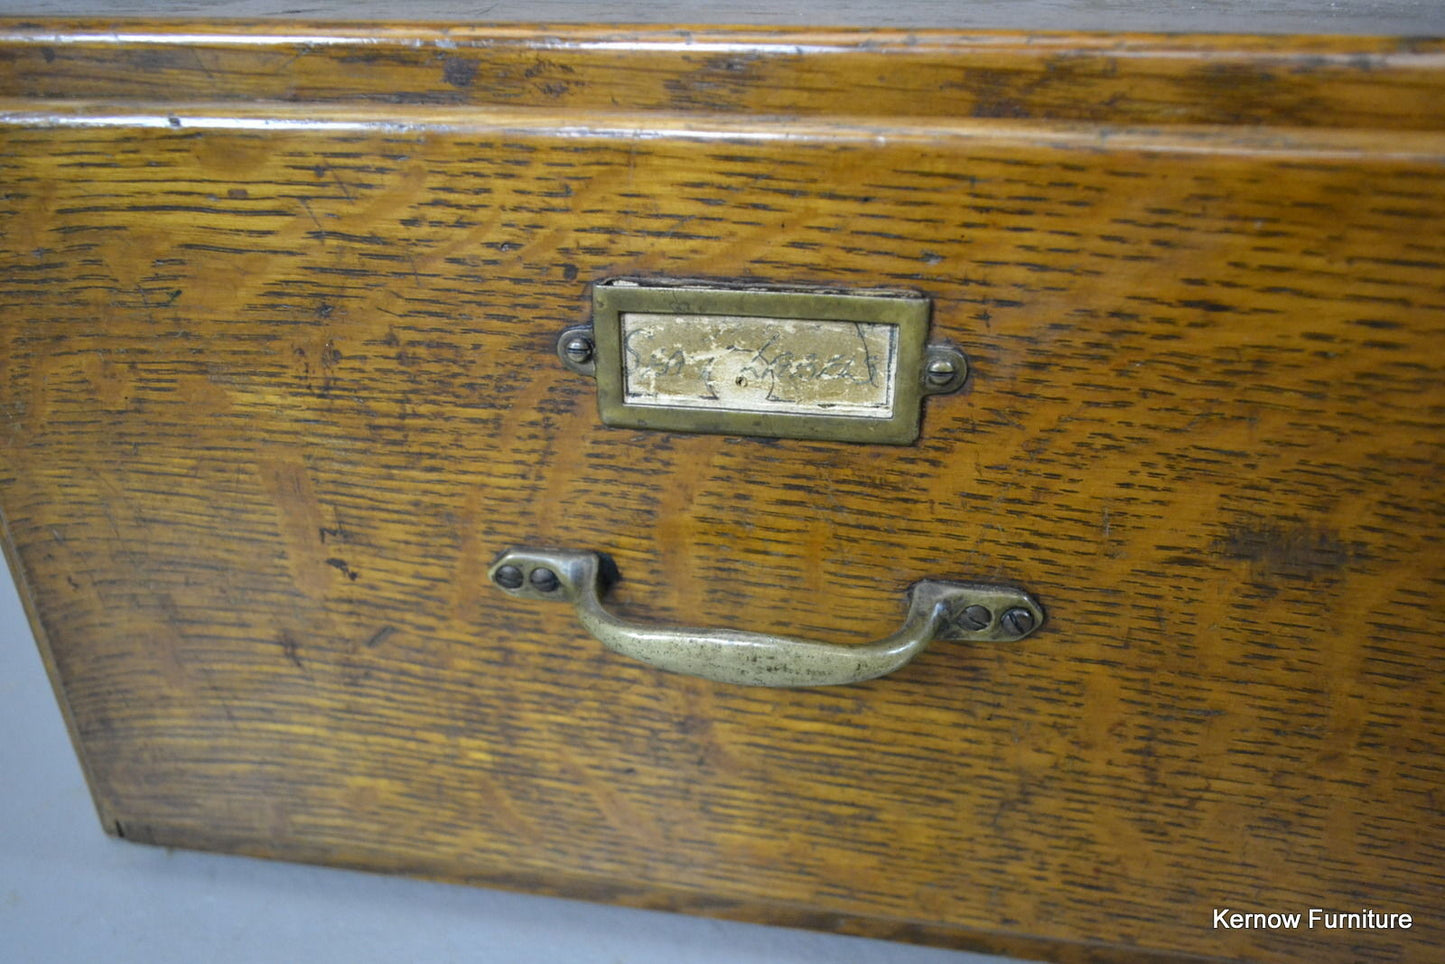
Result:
x=277 y=383
x=1118 y=79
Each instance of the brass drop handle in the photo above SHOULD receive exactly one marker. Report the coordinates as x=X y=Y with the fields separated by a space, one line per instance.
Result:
x=936 y=610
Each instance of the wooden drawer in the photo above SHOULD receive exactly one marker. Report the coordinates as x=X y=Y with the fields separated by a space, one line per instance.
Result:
x=279 y=382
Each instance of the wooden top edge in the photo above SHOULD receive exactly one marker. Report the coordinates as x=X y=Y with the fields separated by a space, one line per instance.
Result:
x=701 y=37
x=1378 y=83
x=1301 y=144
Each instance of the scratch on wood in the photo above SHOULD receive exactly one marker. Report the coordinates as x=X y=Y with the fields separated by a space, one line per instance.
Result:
x=380 y=636
x=340 y=566
x=300 y=519
x=291 y=648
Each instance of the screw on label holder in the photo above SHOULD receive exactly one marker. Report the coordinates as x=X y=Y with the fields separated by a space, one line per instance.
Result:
x=578 y=350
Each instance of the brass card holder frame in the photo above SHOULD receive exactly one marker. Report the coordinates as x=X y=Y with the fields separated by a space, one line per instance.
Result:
x=825 y=364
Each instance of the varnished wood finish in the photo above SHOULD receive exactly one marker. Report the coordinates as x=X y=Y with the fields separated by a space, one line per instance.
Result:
x=1346 y=82
x=277 y=384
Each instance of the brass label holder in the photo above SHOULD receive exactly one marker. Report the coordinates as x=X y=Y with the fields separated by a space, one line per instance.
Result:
x=783 y=363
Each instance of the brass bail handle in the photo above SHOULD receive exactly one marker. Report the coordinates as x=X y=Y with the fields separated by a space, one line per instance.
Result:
x=936 y=610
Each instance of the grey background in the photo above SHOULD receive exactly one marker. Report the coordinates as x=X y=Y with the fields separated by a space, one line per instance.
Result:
x=1389 y=17
x=70 y=893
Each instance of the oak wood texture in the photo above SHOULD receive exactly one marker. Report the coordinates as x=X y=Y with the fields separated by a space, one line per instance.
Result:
x=277 y=384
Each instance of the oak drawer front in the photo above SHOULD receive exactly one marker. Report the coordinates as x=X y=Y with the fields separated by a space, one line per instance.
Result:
x=280 y=383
